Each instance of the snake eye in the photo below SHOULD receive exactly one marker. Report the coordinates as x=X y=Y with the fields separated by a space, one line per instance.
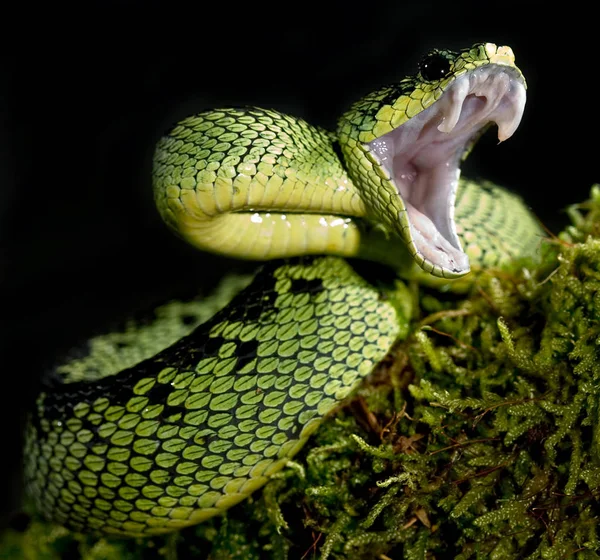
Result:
x=434 y=67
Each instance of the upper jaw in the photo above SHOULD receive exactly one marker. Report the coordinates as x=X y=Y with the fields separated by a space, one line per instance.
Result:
x=422 y=157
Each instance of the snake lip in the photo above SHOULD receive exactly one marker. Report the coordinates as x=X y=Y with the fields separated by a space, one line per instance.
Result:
x=423 y=155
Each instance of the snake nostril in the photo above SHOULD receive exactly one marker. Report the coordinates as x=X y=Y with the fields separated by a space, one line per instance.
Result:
x=188 y=319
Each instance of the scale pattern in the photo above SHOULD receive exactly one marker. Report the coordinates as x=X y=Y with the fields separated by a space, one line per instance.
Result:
x=255 y=183
x=187 y=434
x=142 y=336
x=494 y=225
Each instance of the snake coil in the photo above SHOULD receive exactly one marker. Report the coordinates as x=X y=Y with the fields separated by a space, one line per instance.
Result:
x=164 y=424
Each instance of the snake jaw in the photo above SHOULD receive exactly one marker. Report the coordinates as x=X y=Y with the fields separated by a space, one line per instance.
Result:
x=423 y=155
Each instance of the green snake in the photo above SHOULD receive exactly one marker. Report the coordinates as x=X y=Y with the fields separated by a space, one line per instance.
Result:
x=168 y=422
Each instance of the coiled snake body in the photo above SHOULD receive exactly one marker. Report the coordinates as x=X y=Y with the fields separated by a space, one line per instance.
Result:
x=156 y=427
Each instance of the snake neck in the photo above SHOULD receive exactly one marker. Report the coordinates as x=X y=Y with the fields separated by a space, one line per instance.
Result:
x=256 y=184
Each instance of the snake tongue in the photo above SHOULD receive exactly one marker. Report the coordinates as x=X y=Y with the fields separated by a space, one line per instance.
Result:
x=422 y=157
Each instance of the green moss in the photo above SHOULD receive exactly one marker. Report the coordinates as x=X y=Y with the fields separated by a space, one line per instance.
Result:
x=479 y=438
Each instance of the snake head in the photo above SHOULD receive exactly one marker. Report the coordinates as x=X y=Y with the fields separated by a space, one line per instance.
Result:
x=404 y=144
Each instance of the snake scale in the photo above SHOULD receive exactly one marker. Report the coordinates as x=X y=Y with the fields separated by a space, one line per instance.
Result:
x=170 y=421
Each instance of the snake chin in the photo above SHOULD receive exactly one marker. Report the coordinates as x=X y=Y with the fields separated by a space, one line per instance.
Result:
x=423 y=155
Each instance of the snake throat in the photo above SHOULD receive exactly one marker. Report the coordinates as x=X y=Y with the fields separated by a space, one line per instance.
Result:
x=423 y=155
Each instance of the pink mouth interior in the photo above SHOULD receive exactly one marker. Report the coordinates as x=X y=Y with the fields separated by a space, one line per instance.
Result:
x=424 y=162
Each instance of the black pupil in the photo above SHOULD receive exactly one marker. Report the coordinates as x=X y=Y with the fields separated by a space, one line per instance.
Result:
x=435 y=67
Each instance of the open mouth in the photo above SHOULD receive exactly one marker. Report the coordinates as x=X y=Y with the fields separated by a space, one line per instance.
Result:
x=423 y=157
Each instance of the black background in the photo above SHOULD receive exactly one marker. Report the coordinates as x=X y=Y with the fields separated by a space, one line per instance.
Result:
x=87 y=91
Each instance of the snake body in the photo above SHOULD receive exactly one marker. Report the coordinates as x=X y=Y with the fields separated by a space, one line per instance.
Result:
x=164 y=425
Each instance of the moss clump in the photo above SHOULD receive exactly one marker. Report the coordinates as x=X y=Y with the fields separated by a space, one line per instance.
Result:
x=479 y=437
